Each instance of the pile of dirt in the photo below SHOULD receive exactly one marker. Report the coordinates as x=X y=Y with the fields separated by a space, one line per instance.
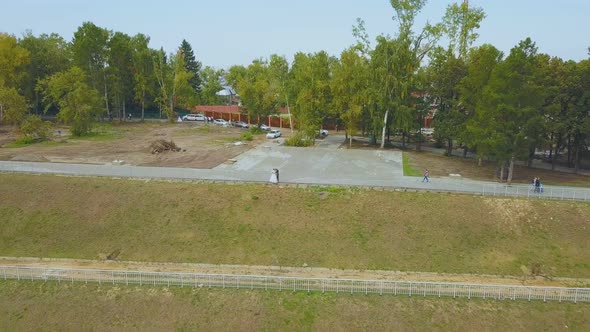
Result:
x=159 y=146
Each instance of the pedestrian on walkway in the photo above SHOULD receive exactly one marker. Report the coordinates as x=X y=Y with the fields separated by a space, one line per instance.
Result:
x=426 y=176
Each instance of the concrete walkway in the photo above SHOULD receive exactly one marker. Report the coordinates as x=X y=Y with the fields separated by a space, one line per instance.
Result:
x=305 y=166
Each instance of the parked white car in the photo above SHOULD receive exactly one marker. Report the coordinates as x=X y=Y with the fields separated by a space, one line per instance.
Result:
x=273 y=134
x=265 y=127
x=221 y=122
x=194 y=117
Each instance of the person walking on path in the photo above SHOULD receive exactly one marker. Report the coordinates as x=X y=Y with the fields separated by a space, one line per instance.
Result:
x=426 y=176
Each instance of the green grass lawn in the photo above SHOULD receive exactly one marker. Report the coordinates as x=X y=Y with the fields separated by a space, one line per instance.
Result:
x=90 y=218
x=27 y=306
x=408 y=169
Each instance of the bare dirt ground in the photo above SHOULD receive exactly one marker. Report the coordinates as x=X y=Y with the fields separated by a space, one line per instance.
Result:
x=285 y=271
x=203 y=146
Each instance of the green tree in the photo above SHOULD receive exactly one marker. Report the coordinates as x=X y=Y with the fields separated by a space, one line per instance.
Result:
x=279 y=80
x=90 y=52
x=211 y=85
x=79 y=105
x=120 y=72
x=49 y=54
x=13 y=107
x=192 y=66
x=349 y=86
x=310 y=76
x=13 y=58
x=174 y=83
x=460 y=24
x=143 y=70
x=512 y=101
x=258 y=94
x=481 y=62
x=395 y=63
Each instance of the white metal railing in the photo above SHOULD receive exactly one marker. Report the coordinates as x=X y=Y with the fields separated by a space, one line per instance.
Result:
x=351 y=286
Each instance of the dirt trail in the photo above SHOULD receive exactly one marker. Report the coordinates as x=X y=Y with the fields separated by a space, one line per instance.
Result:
x=306 y=272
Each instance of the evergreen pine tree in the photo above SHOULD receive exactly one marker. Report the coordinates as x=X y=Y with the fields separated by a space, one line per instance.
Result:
x=191 y=65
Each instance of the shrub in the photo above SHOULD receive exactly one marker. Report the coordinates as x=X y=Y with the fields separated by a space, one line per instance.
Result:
x=298 y=140
x=247 y=136
x=34 y=129
x=254 y=130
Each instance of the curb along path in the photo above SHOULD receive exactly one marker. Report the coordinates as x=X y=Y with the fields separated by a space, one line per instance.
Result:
x=404 y=183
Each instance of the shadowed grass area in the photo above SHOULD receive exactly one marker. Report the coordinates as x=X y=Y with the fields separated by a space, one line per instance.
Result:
x=26 y=306
x=53 y=216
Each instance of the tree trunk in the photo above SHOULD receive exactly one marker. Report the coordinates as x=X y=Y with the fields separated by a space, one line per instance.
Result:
x=124 y=111
x=577 y=155
x=384 y=128
x=479 y=161
x=350 y=142
x=403 y=140
x=289 y=111
x=449 y=147
x=502 y=172
x=142 y=105
x=551 y=148
x=510 y=170
x=569 y=151
x=106 y=96
x=465 y=152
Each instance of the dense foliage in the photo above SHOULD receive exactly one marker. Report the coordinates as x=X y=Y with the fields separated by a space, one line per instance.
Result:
x=501 y=107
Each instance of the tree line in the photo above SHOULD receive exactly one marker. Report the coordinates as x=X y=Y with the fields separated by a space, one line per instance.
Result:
x=100 y=73
x=500 y=107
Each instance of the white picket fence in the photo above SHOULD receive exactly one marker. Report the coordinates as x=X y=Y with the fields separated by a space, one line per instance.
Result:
x=351 y=286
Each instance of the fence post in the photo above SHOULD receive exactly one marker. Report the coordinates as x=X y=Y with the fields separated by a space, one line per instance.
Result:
x=530 y=291
x=223 y=281
x=280 y=284
x=545 y=295
x=574 y=196
x=469 y=292
x=17 y=274
x=337 y=284
x=410 y=293
x=576 y=296
x=4 y=271
x=140 y=278
x=126 y=279
x=381 y=292
x=562 y=193
x=454 y=290
x=113 y=276
x=323 y=286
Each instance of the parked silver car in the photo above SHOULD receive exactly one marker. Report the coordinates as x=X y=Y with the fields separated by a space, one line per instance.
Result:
x=273 y=134
x=221 y=122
